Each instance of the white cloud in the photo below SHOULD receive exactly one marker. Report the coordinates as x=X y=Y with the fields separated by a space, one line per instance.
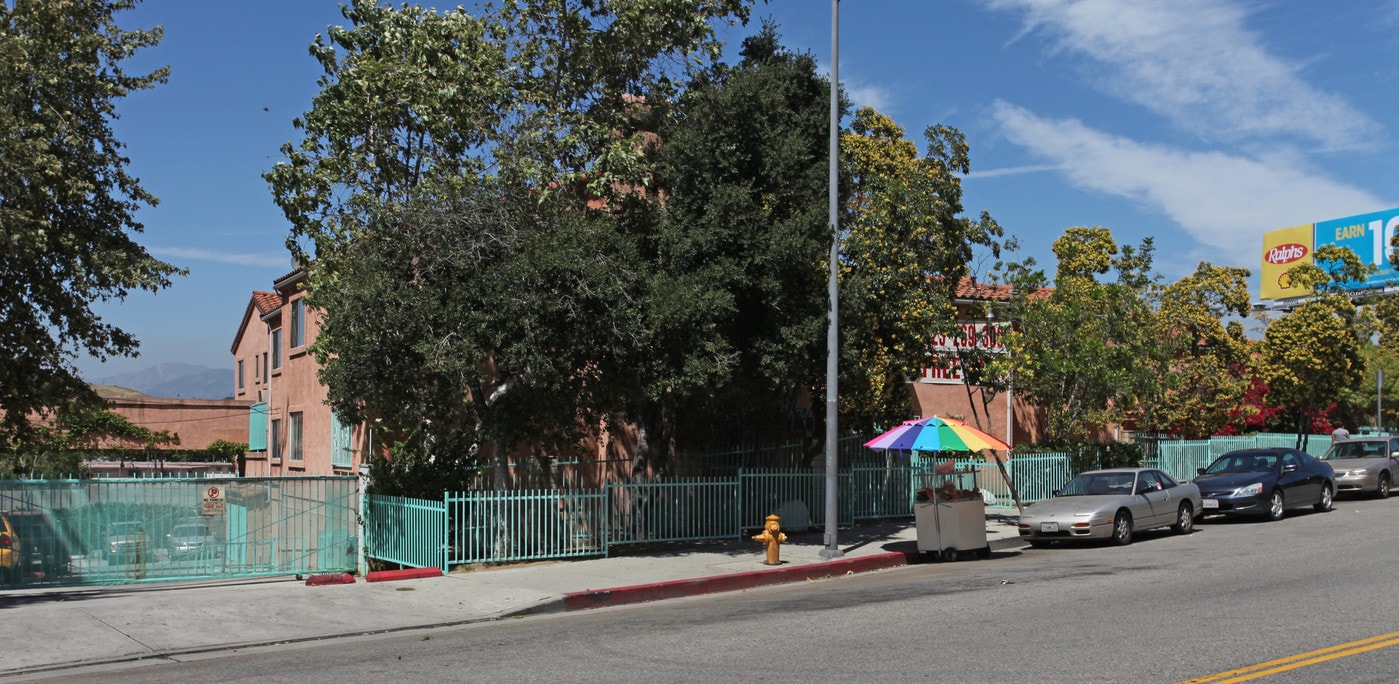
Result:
x=1013 y=171
x=1221 y=200
x=1196 y=63
x=860 y=93
x=196 y=254
x=867 y=95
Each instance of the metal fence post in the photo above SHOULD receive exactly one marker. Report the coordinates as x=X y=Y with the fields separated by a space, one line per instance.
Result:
x=606 y=521
x=446 y=533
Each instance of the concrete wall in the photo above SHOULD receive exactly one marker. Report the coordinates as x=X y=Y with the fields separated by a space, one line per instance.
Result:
x=198 y=422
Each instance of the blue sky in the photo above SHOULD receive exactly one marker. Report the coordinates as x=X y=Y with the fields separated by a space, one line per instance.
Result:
x=1201 y=123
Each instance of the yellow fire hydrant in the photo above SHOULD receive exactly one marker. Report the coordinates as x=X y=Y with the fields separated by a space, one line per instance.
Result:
x=771 y=537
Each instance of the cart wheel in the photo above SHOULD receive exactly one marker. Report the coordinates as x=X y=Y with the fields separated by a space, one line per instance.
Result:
x=949 y=555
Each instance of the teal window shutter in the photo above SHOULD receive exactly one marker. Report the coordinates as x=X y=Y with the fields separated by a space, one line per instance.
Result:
x=341 y=450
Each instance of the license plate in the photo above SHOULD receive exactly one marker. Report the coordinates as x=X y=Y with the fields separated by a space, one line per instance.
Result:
x=1210 y=503
x=1049 y=527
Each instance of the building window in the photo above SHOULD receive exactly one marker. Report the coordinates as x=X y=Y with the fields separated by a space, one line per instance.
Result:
x=276 y=349
x=276 y=439
x=240 y=374
x=294 y=438
x=264 y=362
x=257 y=369
x=298 y=323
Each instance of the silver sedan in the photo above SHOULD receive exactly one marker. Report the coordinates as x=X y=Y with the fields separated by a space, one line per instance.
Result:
x=1365 y=464
x=1111 y=504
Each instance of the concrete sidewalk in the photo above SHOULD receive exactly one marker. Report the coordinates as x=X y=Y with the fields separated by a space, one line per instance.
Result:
x=48 y=632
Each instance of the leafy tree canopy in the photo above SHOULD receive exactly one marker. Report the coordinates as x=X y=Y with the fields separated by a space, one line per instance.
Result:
x=905 y=249
x=454 y=186
x=1204 y=365
x=67 y=203
x=1077 y=352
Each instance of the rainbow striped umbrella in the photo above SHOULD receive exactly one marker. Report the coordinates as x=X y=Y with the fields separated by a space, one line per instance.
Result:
x=936 y=434
x=898 y=439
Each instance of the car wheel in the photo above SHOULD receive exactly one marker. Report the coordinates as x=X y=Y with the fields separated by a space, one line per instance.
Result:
x=1327 y=496
x=1382 y=491
x=1185 y=519
x=1275 y=505
x=1122 y=528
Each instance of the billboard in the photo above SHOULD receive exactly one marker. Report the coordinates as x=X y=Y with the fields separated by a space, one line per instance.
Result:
x=1368 y=235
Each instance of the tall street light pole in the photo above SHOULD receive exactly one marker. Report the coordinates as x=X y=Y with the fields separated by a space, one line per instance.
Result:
x=832 y=549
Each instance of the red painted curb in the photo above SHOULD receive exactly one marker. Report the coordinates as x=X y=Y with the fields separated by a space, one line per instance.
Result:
x=599 y=598
x=335 y=578
x=406 y=573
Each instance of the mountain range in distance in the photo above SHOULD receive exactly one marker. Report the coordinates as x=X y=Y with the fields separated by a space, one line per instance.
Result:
x=174 y=381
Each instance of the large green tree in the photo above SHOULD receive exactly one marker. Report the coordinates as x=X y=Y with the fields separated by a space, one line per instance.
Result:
x=451 y=194
x=1076 y=351
x=735 y=306
x=67 y=204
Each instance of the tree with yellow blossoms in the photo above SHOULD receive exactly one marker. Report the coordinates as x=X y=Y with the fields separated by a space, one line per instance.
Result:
x=905 y=247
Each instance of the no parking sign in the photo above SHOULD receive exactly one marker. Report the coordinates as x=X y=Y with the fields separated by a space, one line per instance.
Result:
x=213 y=501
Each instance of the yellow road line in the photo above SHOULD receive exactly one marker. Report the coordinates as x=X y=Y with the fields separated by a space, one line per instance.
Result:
x=1300 y=660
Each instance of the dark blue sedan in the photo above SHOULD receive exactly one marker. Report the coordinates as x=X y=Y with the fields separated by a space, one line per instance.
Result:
x=1265 y=482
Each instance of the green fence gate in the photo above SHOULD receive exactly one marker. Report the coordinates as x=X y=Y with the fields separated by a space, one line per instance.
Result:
x=118 y=531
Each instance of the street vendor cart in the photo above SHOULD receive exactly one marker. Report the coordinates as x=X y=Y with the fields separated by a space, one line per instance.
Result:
x=950 y=516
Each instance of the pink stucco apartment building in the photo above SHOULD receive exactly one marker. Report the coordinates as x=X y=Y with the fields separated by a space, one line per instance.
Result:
x=291 y=429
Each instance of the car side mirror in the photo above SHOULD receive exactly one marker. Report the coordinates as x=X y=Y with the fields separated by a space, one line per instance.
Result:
x=1199 y=471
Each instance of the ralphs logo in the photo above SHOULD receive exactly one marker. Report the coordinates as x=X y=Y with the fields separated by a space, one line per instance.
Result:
x=1285 y=254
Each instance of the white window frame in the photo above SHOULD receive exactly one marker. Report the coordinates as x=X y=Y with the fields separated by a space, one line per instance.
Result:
x=298 y=323
x=295 y=430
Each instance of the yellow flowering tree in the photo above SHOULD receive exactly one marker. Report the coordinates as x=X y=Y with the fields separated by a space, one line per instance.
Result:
x=905 y=247
x=1204 y=364
x=1312 y=355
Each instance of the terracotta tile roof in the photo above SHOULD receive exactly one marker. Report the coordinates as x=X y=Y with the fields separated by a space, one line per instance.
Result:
x=266 y=302
x=968 y=289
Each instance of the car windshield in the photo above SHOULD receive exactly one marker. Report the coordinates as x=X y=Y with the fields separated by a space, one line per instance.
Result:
x=190 y=531
x=1099 y=484
x=121 y=528
x=1243 y=463
x=1345 y=450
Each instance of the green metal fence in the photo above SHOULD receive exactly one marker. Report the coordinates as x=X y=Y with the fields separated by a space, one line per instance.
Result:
x=1182 y=459
x=404 y=530
x=679 y=510
x=474 y=527
x=117 y=531
x=523 y=525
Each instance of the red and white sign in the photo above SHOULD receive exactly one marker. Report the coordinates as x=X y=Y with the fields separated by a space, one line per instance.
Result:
x=944 y=367
x=213 y=503
x=1285 y=254
x=984 y=336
